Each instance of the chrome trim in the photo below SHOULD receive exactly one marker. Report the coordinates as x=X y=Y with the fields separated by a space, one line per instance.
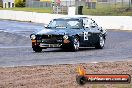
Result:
x=50 y=45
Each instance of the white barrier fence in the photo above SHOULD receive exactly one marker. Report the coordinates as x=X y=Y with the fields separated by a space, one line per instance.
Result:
x=108 y=22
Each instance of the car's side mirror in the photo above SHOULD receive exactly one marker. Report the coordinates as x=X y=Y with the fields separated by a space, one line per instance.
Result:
x=86 y=26
x=45 y=25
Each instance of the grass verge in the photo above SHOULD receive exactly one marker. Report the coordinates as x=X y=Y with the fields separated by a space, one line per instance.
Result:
x=39 y=10
x=101 y=10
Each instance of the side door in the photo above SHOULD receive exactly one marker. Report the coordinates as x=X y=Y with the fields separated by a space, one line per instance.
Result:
x=95 y=32
x=92 y=32
x=85 y=36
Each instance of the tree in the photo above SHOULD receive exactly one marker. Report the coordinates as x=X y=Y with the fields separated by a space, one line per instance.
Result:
x=0 y=3
x=20 y=3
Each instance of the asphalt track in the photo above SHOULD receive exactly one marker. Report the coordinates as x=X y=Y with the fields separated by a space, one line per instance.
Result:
x=15 y=47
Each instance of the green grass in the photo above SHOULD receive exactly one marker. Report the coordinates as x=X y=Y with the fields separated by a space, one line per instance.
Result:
x=39 y=10
x=105 y=10
x=101 y=10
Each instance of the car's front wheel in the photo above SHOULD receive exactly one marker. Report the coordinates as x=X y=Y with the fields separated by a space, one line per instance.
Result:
x=101 y=42
x=75 y=44
x=37 y=49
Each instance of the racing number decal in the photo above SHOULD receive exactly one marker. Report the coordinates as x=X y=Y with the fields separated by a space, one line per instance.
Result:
x=85 y=35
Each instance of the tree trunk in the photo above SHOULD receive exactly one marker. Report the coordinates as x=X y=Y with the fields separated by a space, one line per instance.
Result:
x=0 y=3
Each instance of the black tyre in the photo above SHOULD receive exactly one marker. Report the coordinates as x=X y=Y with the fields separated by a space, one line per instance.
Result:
x=101 y=42
x=37 y=49
x=81 y=80
x=75 y=44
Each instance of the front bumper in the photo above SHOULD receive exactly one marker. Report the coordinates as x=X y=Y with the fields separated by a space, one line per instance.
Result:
x=51 y=45
x=51 y=41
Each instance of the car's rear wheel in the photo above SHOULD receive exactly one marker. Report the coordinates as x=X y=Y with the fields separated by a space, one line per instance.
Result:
x=37 y=49
x=75 y=44
x=100 y=44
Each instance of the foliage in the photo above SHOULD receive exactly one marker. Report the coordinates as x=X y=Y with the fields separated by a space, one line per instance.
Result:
x=20 y=3
x=0 y=3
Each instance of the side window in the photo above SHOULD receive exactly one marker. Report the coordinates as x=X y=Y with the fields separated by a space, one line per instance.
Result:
x=87 y=22
x=90 y=22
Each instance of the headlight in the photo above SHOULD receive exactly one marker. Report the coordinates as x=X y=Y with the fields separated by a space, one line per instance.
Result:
x=33 y=36
x=65 y=37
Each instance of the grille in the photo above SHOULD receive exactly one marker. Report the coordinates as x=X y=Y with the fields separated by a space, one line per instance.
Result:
x=50 y=39
x=49 y=36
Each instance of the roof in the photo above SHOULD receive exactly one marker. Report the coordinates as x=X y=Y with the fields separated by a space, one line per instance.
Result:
x=69 y=18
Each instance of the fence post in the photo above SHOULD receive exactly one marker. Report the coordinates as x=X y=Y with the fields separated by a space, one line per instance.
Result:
x=122 y=3
x=115 y=3
x=129 y=3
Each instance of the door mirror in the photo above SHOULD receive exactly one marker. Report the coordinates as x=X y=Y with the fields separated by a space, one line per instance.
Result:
x=86 y=26
x=45 y=25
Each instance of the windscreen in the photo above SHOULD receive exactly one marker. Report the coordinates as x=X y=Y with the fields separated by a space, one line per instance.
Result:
x=70 y=24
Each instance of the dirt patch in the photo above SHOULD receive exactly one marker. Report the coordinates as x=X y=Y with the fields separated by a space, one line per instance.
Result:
x=60 y=76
